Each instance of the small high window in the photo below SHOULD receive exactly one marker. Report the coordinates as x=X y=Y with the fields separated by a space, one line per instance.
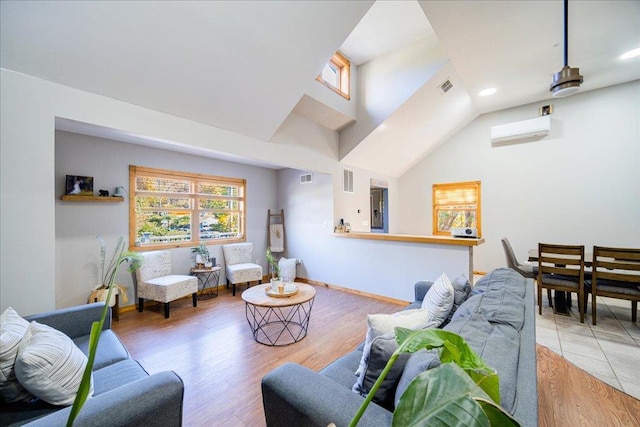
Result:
x=456 y=204
x=335 y=75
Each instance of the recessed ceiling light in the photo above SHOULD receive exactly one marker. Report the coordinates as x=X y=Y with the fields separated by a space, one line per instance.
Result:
x=487 y=91
x=631 y=54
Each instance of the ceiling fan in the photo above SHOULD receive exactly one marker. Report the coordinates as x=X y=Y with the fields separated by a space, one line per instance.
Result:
x=567 y=81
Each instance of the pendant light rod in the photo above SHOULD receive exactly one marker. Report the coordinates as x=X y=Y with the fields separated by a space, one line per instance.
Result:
x=566 y=33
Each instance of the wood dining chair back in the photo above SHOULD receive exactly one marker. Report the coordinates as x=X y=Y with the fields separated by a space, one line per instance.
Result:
x=561 y=268
x=616 y=274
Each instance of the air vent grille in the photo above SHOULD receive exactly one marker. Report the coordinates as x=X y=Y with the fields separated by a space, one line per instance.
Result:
x=347 y=182
x=446 y=86
x=305 y=179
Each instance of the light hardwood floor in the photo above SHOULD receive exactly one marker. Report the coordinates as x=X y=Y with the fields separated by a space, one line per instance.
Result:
x=213 y=351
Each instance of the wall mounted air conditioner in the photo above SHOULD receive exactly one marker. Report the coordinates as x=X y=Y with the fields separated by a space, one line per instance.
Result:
x=525 y=130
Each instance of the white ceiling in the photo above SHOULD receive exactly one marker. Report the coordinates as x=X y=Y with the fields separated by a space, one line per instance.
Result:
x=244 y=66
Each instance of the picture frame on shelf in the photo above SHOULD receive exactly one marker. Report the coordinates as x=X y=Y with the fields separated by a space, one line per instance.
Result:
x=77 y=185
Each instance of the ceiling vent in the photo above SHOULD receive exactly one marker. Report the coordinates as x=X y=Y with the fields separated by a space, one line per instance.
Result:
x=347 y=181
x=446 y=86
x=305 y=179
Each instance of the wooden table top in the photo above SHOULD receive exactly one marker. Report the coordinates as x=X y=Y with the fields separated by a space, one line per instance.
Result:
x=256 y=295
x=205 y=270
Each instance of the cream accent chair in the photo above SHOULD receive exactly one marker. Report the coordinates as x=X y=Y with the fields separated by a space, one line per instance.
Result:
x=238 y=265
x=155 y=282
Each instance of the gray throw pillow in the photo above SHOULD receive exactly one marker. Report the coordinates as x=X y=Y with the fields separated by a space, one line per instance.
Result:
x=461 y=291
x=382 y=348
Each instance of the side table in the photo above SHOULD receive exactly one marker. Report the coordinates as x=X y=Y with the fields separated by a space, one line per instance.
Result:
x=208 y=278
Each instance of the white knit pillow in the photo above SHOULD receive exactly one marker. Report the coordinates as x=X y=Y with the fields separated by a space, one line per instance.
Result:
x=12 y=330
x=50 y=365
x=439 y=299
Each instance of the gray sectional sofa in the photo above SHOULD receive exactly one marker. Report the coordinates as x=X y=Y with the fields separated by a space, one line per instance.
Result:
x=124 y=393
x=497 y=321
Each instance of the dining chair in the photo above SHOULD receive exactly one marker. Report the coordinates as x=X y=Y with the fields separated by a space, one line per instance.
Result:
x=561 y=268
x=528 y=271
x=616 y=274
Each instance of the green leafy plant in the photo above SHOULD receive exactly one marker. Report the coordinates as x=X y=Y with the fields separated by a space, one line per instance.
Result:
x=463 y=390
x=120 y=256
x=201 y=250
x=275 y=268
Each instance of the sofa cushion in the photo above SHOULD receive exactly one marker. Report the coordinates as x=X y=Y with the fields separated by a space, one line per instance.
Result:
x=49 y=365
x=439 y=299
x=116 y=375
x=342 y=370
x=110 y=349
x=12 y=330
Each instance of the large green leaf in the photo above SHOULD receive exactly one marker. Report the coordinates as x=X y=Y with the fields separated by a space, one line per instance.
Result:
x=496 y=414
x=443 y=396
x=453 y=348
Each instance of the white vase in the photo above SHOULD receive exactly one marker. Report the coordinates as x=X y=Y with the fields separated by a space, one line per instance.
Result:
x=275 y=283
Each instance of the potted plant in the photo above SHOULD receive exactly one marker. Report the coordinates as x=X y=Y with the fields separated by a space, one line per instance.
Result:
x=108 y=273
x=275 y=271
x=463 y=390
x=202 y=255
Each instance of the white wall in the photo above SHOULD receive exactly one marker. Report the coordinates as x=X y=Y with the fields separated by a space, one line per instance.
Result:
x=579 y=185
x=379 y=267
x=77 y=224
x=385 y=83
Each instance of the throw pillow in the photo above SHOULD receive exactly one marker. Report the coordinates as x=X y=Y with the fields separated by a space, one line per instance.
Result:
x=439 y=300
x=12 y=330
x=461 y=291
x=50 y=365
x=380 y=352
x=287 y=269
x=380 y=324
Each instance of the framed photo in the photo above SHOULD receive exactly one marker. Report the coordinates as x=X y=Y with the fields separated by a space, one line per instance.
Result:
x=79 y=185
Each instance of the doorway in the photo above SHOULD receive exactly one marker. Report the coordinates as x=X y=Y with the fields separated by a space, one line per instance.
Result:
x=379 y=209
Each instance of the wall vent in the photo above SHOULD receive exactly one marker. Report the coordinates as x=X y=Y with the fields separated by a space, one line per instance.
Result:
x=446 y=86
x=347 y=181
x=305 y=179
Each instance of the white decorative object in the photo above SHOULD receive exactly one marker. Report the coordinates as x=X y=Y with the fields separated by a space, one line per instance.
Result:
x=287 y=269
x=12 y=330
x=439 y=299
x=49 y=365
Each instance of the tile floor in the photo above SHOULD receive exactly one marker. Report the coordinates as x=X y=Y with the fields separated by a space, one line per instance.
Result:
x=609 y=351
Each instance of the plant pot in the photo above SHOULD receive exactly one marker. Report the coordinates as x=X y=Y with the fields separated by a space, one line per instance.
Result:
x=100 y=295
x=275 y=283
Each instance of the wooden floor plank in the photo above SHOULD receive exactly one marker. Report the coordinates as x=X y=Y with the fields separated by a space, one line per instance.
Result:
x=213 y=351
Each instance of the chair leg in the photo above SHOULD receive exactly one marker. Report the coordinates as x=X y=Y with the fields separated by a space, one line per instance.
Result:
x=594 y=309
x=227 y=283
x=549 y=298
x=581 y=304
x=634 y=313
x=140 y=304
x=540 y=299
x=166 y=310
x=194 y=296
x=234 y=290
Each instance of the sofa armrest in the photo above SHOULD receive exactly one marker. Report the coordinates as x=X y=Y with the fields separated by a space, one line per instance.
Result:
x=74 y=321
x=297 y=396
x=420 y=289
x=152 y=401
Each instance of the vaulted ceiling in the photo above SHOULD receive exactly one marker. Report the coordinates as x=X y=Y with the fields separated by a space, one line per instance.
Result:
x=247 y=66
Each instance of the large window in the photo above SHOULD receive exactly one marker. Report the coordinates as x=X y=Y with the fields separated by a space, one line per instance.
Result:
x=456 y=204
x=336 y=75
x=171 y=209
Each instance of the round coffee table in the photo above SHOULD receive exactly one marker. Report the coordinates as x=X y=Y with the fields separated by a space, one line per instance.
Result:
x=278 y=320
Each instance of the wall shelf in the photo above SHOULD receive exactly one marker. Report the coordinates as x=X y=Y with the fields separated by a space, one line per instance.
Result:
x=74 y=198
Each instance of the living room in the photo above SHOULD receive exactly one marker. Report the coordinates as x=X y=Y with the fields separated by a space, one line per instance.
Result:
x=580 y=184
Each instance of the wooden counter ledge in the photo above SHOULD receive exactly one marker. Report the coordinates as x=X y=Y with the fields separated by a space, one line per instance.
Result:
x=437 y=240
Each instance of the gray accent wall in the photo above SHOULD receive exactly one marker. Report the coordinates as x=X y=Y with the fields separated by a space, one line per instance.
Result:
x=107 y=161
